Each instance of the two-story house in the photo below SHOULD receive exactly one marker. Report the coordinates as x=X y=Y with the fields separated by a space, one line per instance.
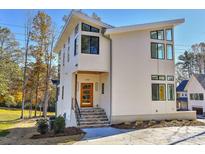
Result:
x=114 y=74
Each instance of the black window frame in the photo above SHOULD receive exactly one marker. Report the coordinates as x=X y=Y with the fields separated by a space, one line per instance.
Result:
x=103 y=88
x=90 y=42
x=170 y=76
x=157 y=77
x=91 y=28
x=173 y=92
x=158 y=97
x=62 y=97
x=75 y=46
x=171 y=34
x=168 y=44
x=201 y=98
x=157 y=50
x=76 y=29
x=157 y=31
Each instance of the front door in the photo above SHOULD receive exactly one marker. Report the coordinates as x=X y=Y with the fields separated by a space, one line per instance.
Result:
x=86 y=99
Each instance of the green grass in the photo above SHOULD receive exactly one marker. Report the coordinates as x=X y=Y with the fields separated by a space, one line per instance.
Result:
x=9 y=117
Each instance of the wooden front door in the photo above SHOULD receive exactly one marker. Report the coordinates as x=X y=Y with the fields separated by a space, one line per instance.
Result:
x=86 y=98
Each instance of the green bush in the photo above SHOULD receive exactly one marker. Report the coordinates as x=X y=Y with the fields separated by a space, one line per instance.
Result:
x=59 y=125
x=51 y=122
x=42 y=126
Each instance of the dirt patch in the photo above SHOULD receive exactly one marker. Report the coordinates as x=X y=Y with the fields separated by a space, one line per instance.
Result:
x=67 y=132
x=157 y=124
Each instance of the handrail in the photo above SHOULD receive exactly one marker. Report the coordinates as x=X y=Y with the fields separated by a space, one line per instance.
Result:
x=77 y=110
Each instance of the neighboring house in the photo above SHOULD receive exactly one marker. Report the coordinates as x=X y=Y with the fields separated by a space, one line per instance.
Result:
x=196 y=91
x=182 y=99
x=114 y=74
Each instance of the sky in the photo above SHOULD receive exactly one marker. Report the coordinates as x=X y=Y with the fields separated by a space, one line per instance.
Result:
x=191 y=32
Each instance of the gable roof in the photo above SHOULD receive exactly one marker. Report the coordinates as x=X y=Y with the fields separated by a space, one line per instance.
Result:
x=201 y=79
x=144 y=26
x=182 y=85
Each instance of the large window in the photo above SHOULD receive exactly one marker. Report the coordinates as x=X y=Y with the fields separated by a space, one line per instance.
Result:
x=196 y=96
x=157 y=50
x=169 y=51
x=169 y=35
x=158 y=92
x=88 y=28
x=170 y=92
x=90 y=44
x=158 y=34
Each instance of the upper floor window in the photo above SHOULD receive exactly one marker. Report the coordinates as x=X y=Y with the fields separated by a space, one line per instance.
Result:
x=157 y=50
x=76 y=29
x=62 y=92
x=158 y=34
x=90 y=44
x=63 y=58
x=169 y=49
x=169 y=35
x=88 y=28
x=76 y=46
x=68 y=54
x=197 y=96
x=68 y=40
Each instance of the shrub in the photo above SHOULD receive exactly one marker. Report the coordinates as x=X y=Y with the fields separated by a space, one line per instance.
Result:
x=59 y=125
x=51 y=122
x=42 y=126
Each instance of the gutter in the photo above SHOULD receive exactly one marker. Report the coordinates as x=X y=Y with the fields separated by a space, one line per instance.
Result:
x=108 y=38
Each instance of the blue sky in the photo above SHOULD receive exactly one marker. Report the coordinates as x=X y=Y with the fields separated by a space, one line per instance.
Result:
x=192 y=31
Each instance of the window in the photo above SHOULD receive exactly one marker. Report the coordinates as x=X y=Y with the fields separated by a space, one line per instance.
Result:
x=158 y=77
x=170 y=92
x=197 y=96
x=158 y=34
x=169 y=51
x=169 y=35
x=63 y=58
x=62 y=92
x=68 y=40
x=157 y=50
x=76 y=46
x=68 y=54
x=90 y=44
x=103 y=88
x=201 y=96
x=158 y=92
x=191 y=96
x=88 y=28
x=170 y=78
x=76 y=29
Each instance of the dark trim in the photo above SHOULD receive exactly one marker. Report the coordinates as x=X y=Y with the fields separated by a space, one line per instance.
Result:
x=90 y=37
x=90 y=28
x=157 y=34
x=157 y=51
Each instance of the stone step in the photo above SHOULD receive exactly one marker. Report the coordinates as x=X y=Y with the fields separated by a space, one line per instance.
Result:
x=96 y=125
x=93 y=116
x=93 y=122
x=91 y=109
x=92 y=113
x=93 y=119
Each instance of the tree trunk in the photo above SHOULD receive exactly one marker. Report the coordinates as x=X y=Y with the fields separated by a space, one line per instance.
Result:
x=36 y=102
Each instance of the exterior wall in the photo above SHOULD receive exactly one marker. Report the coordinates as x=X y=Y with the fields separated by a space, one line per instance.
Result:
x=132 y=68
x=181 y=105
x=180 y=115
x=195 y=87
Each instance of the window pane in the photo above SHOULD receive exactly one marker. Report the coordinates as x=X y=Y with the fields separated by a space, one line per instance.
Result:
x=169 y=34
x=155 y=92
x=162 y=92
x=201 y=96
x=154 y=50
x=170 y=92
x=169 y=51
x=85 y=44
x=153 y=35
x=170 y=78
x=161 y=51
x=76 y=46
x=154 y=77
x=196 y=97
x=162 y=77
x=191 y=97
x=161 y=34
x=94 y=45
x=85 y=27
x=68 y=57
x=93 y=29
x=76 y=29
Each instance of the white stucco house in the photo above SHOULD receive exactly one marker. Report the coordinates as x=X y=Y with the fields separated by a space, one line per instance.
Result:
x=113 y=74
x=195 y=92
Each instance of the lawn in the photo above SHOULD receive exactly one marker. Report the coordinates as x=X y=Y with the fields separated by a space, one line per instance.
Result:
x=10 y=117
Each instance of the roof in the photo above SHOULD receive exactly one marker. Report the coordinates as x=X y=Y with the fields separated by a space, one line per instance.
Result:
x=201 y=79
x=182 y=85
x=144 y=26
x=79 y=15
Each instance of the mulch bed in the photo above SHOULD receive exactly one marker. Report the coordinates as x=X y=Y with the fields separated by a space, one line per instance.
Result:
x=157 y=124
x=70 y=131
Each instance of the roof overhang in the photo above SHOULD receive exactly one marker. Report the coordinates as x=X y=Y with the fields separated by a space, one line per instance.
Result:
x=139 y=27
x=76 y=16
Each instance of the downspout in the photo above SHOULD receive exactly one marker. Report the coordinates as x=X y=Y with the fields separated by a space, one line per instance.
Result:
x=108 y=38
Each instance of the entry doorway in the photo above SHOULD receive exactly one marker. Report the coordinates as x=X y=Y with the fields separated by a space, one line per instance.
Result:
x=86 y=98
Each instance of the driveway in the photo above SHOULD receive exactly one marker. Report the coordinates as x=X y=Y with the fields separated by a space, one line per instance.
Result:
x=168 y=135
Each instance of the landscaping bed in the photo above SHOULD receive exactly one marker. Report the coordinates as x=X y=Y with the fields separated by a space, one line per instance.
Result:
x=157 y=124
x=70 y=131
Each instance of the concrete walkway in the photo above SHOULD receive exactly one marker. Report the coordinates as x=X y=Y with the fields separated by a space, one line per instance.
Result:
x=167 y=135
